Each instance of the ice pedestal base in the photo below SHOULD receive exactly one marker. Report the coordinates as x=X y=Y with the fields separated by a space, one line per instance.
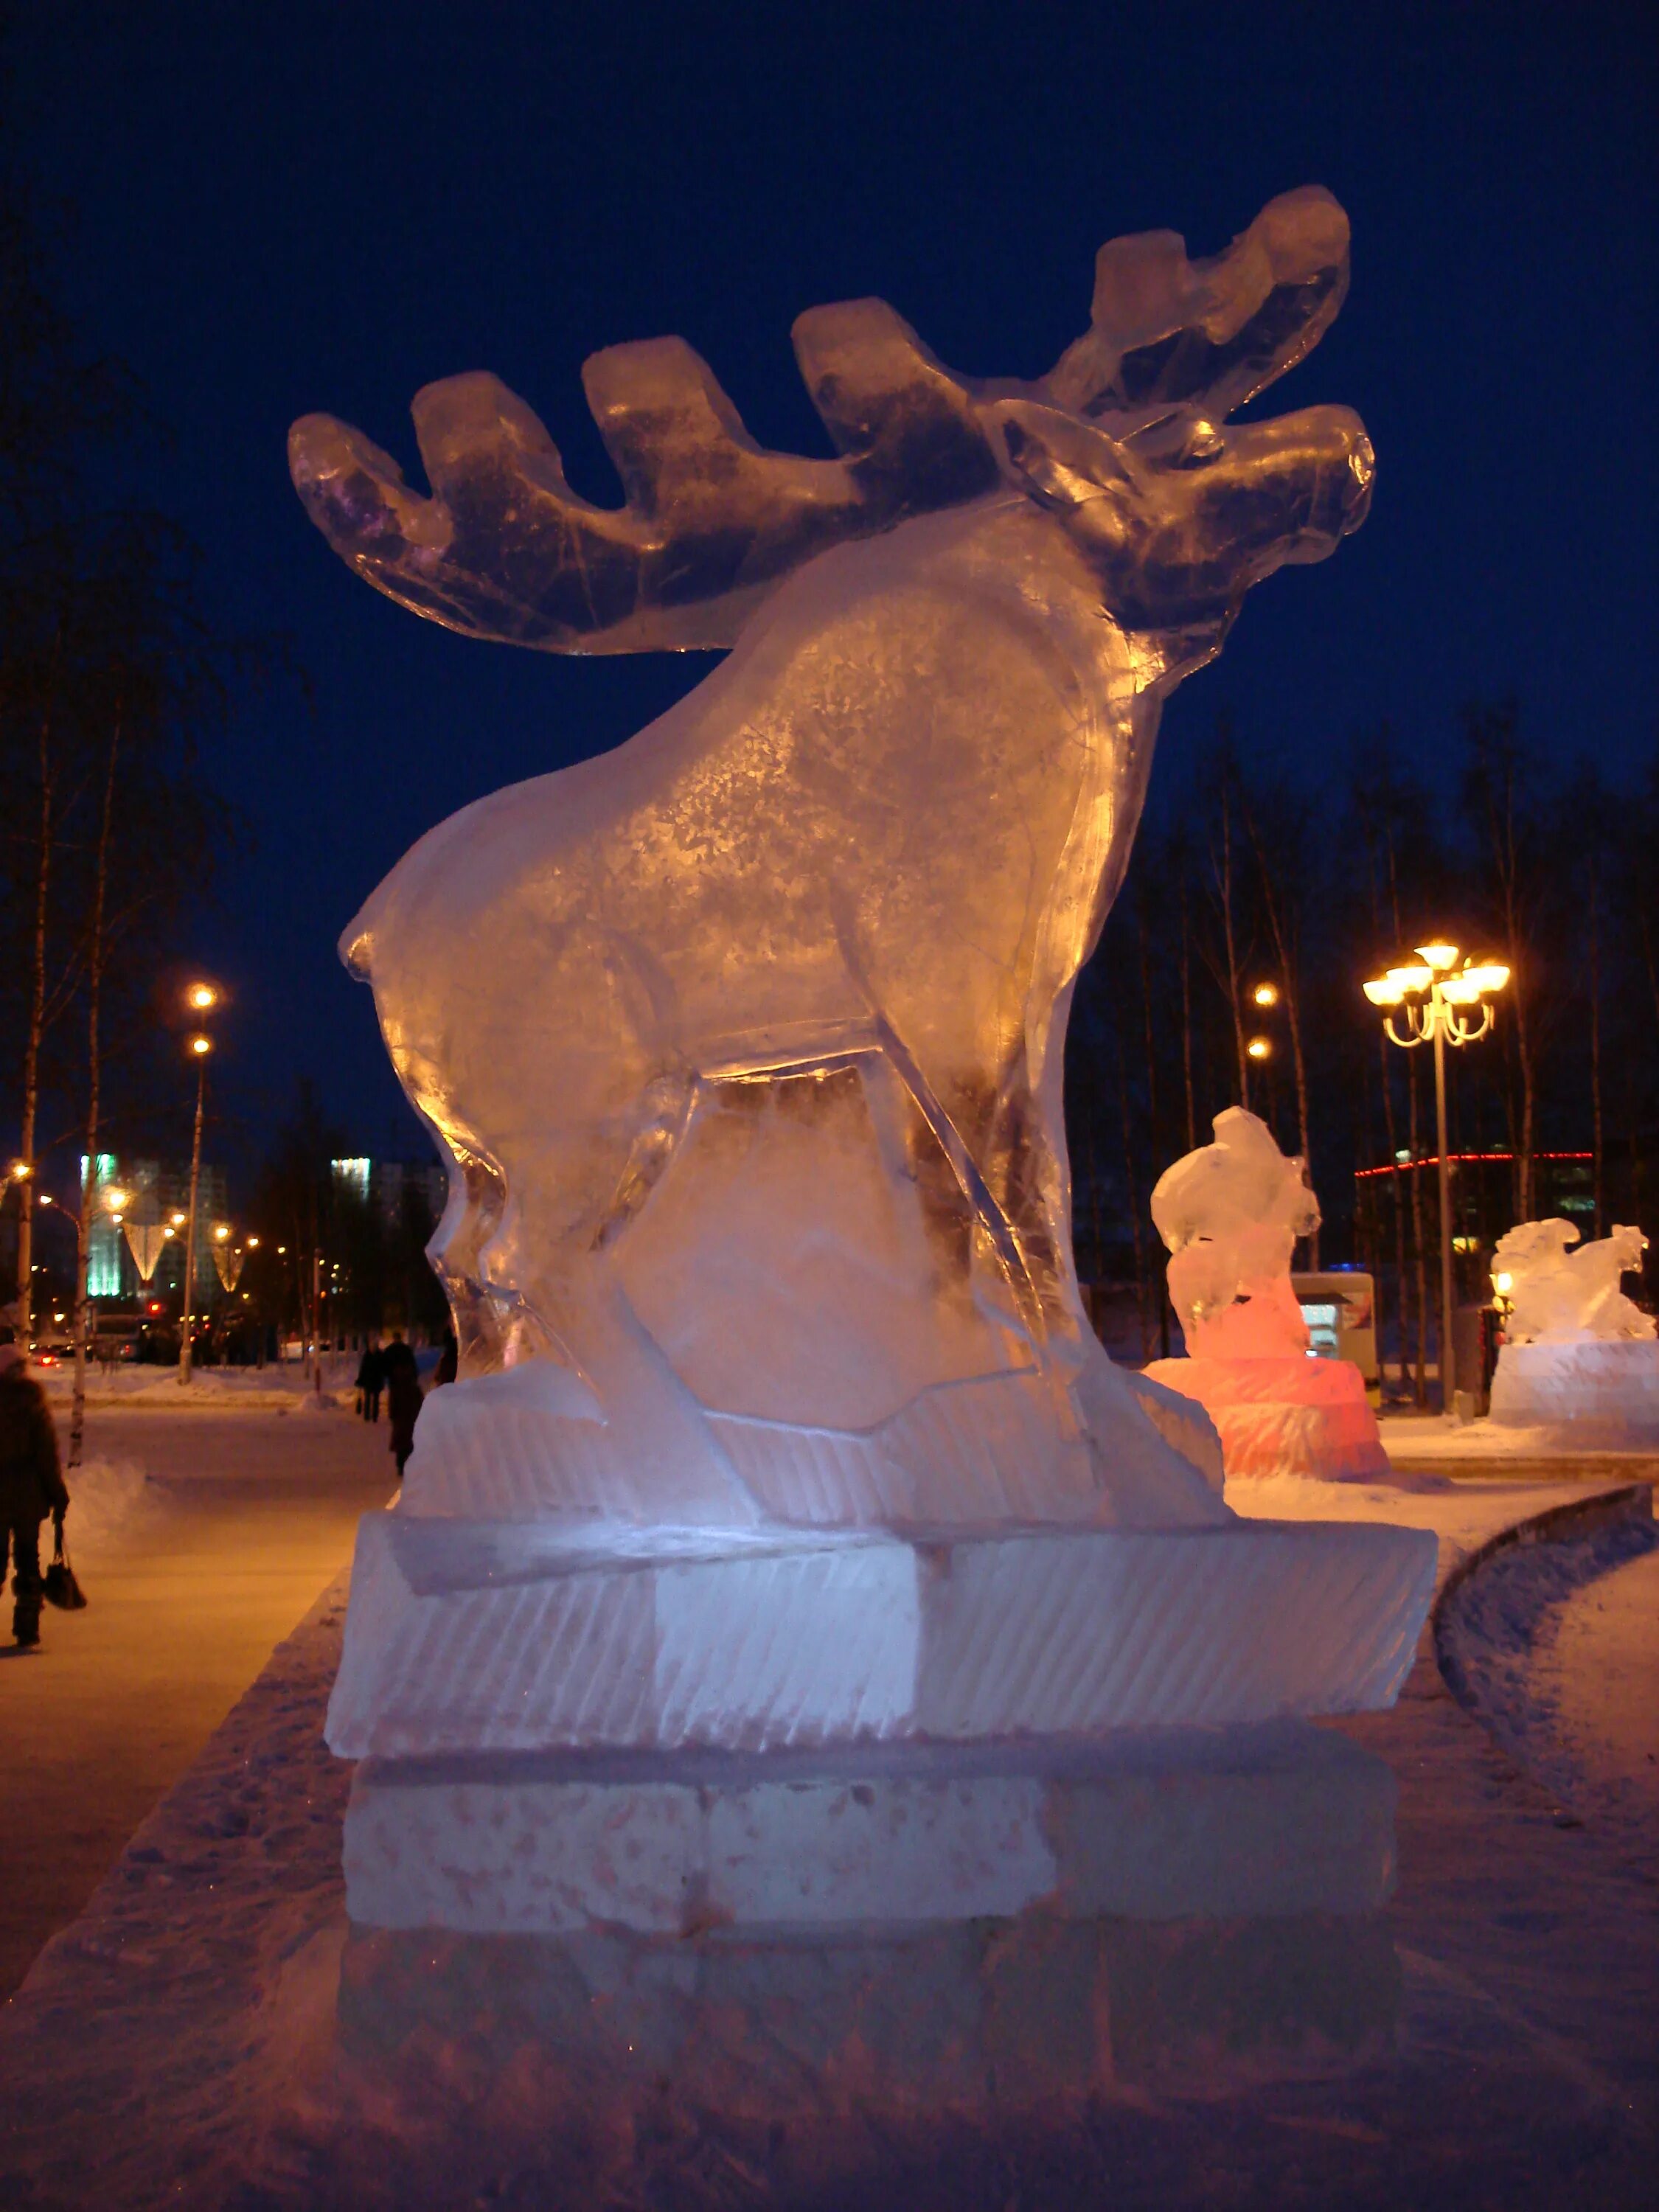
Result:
x=1285 y=1820
x=1599 y=1393
x=1291 y=1416
x=515 y=1637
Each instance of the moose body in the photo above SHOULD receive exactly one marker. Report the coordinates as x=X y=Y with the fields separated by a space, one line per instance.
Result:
x=882 y=835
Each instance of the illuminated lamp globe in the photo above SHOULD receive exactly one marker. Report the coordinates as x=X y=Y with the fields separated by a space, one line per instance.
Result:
x=1258 y=1048
x=199 y=1045
x=1439 y=956
x=200 y=997
x=1265 y=994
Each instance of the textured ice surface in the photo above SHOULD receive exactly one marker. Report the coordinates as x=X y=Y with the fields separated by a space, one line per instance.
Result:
x=1283 y=1819
x=1294 y=1416
x=745 y=1041
x=504 y=1637
x=1598 y=1393
x=1231 y=1213
x=1558 y=1296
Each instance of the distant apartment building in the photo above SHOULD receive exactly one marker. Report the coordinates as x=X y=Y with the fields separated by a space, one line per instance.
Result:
x=383 y=1183
x=158 y=1194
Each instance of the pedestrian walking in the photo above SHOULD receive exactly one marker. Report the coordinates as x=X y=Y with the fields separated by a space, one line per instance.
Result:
x=403 y=1399
x=371 y=1381
x=31 y=1485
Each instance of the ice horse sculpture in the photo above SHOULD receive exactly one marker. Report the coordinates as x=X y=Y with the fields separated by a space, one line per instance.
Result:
x=1578 y=1356
x=1231 y=1213
x=779 y=1417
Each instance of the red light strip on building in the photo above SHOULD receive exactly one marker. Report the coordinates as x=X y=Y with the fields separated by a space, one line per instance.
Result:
x=1432 y=1160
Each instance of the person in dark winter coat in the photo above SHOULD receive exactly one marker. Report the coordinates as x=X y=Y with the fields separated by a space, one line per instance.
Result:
x=403 y=1399
x=31 y=1487
x=371 y=1381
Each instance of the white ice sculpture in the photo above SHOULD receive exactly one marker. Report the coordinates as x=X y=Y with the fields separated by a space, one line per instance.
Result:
x=780 y=1415
x=1578 y=1356
x=1231 y=1213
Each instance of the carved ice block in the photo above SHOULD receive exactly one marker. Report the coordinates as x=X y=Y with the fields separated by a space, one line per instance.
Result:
x=1284 y=1820
x=474 y=1636
x=1292 y=1416
x=1594 y=1393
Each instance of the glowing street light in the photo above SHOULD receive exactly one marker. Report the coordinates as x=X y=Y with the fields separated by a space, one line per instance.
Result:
x=201 y=998
x=1260 y=1047
x=1265 y=994
x=1437 y=1000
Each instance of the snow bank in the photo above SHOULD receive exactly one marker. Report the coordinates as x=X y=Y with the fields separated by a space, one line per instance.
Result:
x=106 y=1497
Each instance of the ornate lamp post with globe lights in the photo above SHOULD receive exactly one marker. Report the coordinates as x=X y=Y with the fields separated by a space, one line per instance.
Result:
x=201 y=998
x=1437 y=1001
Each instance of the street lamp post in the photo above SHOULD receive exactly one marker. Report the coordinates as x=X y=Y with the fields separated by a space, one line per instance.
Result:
x=201 y=998
x=1436 y=999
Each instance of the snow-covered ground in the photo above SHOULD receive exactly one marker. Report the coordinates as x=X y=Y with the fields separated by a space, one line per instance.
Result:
x=1557 y=1648
x=200 y=1542
x=215 y=2036
x=284 y=1389
x=211 y=2033
x=1463 y=1515
x=1472 y=1447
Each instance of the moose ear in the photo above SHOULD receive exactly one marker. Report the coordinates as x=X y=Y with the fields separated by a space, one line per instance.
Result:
x=1059 y=461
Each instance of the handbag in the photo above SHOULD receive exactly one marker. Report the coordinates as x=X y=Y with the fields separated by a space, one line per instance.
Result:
x=59 y=1585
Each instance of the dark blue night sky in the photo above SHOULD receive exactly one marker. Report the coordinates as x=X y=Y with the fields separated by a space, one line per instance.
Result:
x=277 y=209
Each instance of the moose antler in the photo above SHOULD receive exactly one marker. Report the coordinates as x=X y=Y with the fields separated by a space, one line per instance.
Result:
x=504 y=549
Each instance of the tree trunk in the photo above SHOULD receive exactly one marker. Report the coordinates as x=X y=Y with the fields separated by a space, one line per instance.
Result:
x=1187 y=1017
x=1596 y=1041
x=1152 y=1103
x=1230 y=941
x=36 y=1017
x=90 y=1167
x=1290 y=989
x=1134 y=1206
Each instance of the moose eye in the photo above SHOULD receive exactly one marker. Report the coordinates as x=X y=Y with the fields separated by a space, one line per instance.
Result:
x=1206 y=445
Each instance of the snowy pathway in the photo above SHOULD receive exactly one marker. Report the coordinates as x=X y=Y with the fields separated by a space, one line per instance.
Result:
x=201 y=1538
x=1599 y=1674
x=1556 y=1648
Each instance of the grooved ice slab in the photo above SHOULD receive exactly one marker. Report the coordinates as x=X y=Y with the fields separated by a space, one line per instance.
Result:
x=481 y=1637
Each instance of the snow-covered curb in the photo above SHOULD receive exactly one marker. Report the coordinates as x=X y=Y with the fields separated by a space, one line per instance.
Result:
x=1494 y=1614
x=1467 y=1445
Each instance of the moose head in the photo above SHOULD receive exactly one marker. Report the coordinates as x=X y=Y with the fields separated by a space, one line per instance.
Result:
x=786 y=977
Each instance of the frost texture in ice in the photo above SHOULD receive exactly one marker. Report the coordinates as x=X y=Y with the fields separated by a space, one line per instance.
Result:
x=1558 y=1296
x=1231 y=1213
x=744 y=1042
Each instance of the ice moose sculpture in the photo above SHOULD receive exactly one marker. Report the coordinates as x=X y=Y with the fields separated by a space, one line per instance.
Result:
x=744 y=1043
x=1231 y=1213
x=1577 y=1355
